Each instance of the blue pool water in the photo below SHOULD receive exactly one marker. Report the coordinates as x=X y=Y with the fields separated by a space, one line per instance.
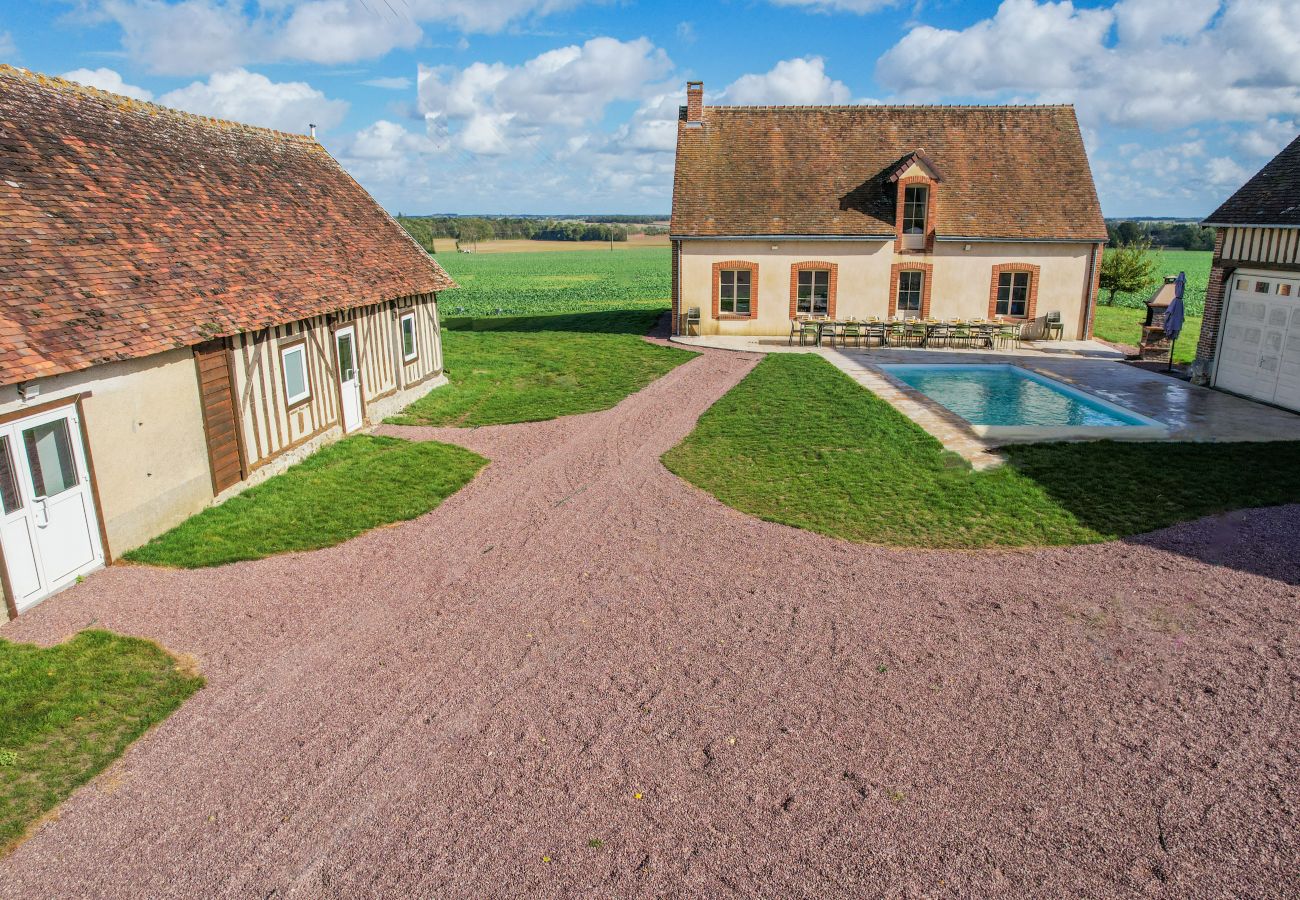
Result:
x=1012 y=396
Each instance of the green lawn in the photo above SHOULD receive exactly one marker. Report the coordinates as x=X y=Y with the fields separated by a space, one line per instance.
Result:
x=799 y=442
x=68 y=711
x=530 y=369
x=1123 y=325
x=337 y=493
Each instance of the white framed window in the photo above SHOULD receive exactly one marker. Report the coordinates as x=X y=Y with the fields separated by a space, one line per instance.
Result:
x=410 y=347
x=734 y=291
x=915 y=199
x=293 y=365
x=814 y=291
x=911 y=287
x=1013 y=295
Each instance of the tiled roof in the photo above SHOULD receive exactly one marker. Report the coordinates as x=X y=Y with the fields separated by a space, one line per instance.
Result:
x=1008 y=171
x=130 y=229
x=1272 y=197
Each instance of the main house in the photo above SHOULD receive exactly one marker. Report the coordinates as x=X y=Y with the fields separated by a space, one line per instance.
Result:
x=1250 y=337
x=186 y=306
x=882 y=211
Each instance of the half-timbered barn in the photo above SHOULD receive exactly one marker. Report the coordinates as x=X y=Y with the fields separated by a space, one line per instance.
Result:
x=187 y=306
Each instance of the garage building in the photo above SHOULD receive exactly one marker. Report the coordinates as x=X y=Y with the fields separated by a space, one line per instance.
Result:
x=1250 y=340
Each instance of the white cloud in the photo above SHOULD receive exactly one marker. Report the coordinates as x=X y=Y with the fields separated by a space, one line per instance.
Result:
x=493 y=108
x=399 y=83
x=851 y=6
x=1224 y=172
x=1026 y=46
x=802 y=82
x=183 y=38
x=1142 y=63
x=1155 y=21
x=249 y=97
x=200 y=36
x=108 y=80
x=387 y=154
x=335 y=31
x=1266 y=140
x=7 y=46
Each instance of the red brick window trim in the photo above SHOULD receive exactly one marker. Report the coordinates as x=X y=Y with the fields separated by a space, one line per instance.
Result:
x=926 y=271
x=1014 y=291
x=735 y=288
x=901 y=208
x=812 y=285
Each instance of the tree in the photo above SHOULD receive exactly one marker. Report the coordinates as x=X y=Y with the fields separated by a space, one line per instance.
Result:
x=1127 y=233
x=1130 y=269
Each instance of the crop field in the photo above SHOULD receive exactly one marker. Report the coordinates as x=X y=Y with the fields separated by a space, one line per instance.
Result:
x=577 y=281
x=1196 y=263
x=446 y=245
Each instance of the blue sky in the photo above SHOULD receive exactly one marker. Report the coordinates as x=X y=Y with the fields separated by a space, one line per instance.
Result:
x=552 y=106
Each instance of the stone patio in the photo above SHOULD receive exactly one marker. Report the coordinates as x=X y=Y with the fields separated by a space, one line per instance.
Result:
x=1192 y=413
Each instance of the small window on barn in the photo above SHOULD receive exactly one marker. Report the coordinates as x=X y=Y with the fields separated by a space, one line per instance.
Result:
x=410 y=349
x=1243 y=284
x=734 y=291
x=1284 y=290
x=293 y=362
x=1261 y=287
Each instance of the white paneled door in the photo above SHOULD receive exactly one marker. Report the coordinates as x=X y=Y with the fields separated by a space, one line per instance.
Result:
x=48 y=528
x=345 y=340
x=1259 y=350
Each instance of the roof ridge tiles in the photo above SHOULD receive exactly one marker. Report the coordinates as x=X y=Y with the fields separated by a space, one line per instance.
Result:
x=132 y=103
x=856 y=106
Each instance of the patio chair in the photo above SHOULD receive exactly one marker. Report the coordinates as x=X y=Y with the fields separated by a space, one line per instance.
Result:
x=934 y=334
x=1053 y=324
x=796 y=325
x=1008 y=333
x=809 y=333
x=959 y=336
x=850 y=331
x=877 y=330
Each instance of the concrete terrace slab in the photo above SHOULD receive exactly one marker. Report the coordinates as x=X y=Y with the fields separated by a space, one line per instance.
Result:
x=1192 y=413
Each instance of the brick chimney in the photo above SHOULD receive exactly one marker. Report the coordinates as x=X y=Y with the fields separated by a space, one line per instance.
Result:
x=694 y=102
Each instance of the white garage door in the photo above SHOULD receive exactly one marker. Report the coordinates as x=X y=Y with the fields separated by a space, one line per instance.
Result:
x=1259 y=352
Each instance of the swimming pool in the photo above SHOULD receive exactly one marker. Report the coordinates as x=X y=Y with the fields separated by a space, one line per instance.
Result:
x=1012 y=403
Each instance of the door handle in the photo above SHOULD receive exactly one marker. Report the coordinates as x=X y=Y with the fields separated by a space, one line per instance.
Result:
x=42 y=513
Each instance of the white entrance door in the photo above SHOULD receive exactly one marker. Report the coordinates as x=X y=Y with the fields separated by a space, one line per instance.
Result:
x=48 y=527
x=1259 y=353
x=345 y=339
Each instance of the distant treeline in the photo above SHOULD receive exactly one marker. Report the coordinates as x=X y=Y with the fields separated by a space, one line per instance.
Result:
x=467 y=229
x=1175 y=235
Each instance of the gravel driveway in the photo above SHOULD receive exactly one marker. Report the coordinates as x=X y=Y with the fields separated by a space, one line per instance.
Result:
x=582 y=676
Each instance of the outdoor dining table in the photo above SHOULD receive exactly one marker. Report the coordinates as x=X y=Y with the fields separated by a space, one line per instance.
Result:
x=981 y=330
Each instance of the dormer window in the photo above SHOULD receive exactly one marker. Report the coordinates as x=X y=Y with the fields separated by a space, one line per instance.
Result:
x=915 y=197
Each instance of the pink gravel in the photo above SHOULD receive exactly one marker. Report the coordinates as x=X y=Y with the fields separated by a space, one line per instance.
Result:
x=463 y=704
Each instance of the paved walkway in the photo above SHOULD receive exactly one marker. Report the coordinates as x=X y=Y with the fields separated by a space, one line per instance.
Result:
x=470 y=704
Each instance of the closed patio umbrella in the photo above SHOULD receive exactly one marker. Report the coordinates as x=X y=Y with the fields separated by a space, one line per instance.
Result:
x=1173 y=323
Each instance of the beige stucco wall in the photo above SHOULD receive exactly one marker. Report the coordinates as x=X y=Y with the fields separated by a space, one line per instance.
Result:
x=959 y=287
x=146 y=441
